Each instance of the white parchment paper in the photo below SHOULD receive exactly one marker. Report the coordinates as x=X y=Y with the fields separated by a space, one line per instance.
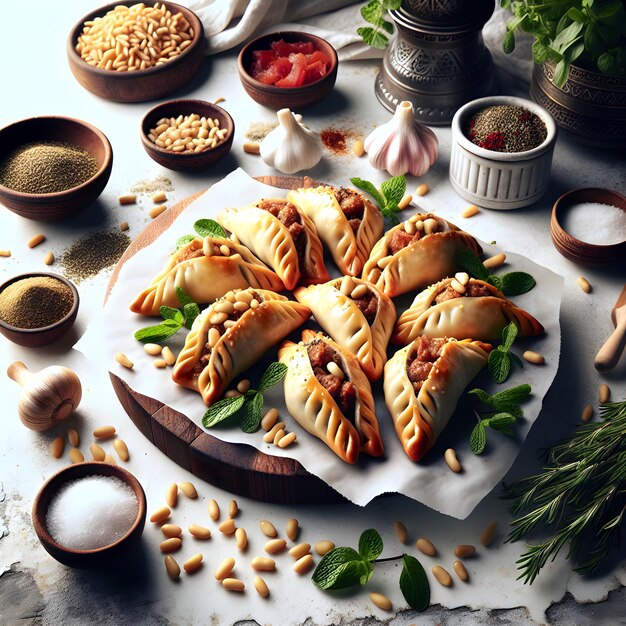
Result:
x=430 y=481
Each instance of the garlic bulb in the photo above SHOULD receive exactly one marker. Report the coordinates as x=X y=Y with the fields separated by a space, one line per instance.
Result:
x=47 y=397
x=402 y=145
x=291 y=147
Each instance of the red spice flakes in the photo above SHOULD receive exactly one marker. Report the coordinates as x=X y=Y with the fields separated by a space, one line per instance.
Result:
x=337 y=139
x=494 y=141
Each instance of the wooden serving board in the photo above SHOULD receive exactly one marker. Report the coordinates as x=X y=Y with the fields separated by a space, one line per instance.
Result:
x=237 y=468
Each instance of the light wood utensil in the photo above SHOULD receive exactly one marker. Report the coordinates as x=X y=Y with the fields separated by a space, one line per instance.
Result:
x=610 y=352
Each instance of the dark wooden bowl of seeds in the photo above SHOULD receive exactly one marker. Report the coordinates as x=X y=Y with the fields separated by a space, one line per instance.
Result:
x=52 y=167
x=37 y=308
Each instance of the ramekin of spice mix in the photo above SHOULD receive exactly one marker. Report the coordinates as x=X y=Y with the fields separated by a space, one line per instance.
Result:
x=37 y=308
x=51 y=167
x=502 y=152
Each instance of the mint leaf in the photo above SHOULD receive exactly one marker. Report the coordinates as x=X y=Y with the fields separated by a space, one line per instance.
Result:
x=508 y=45
x=372 y=12
x=391 y=5
x=370 y=544
x=500 y=422
x=391 y=215
x=478 y=439
x=184 y=240
x=183 y=298
x=191 y=310
x=516 y=283
x=373 y=37
x=499 y=365
x=158 y=333
x=170 y=313
x=221 y=410
x=369 y=188
x=482 y=395
x=496 y=281
x=332 y=570
x=414 y=583
x=394 y=189
x=509 y=333
x=209 y=228
x=251 y=413
x=274 y=373
x=472 y=264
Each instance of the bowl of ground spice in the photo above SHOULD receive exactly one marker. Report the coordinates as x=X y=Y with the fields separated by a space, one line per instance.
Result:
x=52 y=167
x=502 y=152
x=37 y=308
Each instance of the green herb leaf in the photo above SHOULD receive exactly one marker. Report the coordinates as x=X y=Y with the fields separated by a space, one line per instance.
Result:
x=191 y=310
x=478 y=439
x=540 y=52
x=496 y=281
x=370 y=544
x=414 y=583
x=393 y=190
x=561 y=72
x=170 y=313
x=509 y=334
x=274 y=373
x=391 y=5
x=184 y=240
x=372 y=12
x=503 y=400
x=373 y=37
x=391 y=215
x=158 y=333
x=251 y=413
x=222 y=410
x=508 y=44
x=340 y=568
x=183 y=298
x=516 y=283
x=209 y=228
x=500 y=422
x=369 y=188
x=472 y=264
x=499 y=365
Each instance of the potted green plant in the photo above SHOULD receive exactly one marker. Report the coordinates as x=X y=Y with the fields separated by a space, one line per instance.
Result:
x=579 y=51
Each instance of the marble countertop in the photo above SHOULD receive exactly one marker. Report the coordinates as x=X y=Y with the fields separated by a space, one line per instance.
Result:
x=34 y=589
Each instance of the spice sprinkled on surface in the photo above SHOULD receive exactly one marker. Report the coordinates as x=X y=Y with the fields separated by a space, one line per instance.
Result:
x=152 y=185
x=338 y=140
x=257 y=131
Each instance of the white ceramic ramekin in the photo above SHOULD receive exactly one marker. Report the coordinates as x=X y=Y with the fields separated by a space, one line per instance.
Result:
x=500 y=180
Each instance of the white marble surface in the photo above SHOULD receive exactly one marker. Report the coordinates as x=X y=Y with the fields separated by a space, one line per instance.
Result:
x=35 y=80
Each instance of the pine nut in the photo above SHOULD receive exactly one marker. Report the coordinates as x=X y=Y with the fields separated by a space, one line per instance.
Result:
x=227 y=527
x=157 y=210
x=124 y=361
x=460 y=570
x=225 y=568
x=488 y=534
x=122 y=449
x=409 y=227
x=214 y=510
x=462 y=278
x=232 y=393
x=123 y=227
x=604 y=393
x=457 y=286
x=587 y=413
x=533 y=357
x=241 y=539
x=358 y=149
x=233 y=584
x=218 y=100
x=189 y=490
x=128 y=198
x=56 y=447
x=254 y=303
x=323 y=547
x=425 y=547
x=584 y=284
x=171 y=495
x=431 y=226
x=171 y=545
x=243 y=385
x=252 y=147
x=269 y=419
x=241 y=306
x=278 y=436
x=273 y=546
x=109 y=459
x=292 y=529
x=335 y=370
x=171 y=567
x=419 y=225
x=225 y=250
x=442 y=576
x=171 y=530
x=104 y=432
x=233 y=508
x=5 y=253
x=359 y=291
x=159 y=364
x=208 y=248
x=263 y=564
x=347 y=285
x=261 y=587
x=218 y=318
x=168 y=356
x=153 y=349
x=158 y=197
x=224 y=307
x=76 y=456
x=401 y=532
x=193 y=564
x=380 y=600
x=303 y=564
x=406 y=200
x=49 y=258
x=199 y=532
x=73 y=438
x=267 y=528
x=35 y=241
x=287 y=440
x=464 y=550
x=422 y=190
x=300 y=550
x=160 y=515
x=97 y=452
x=451 y=460
x=470 y=211
x=269 y=436
x=495 y=261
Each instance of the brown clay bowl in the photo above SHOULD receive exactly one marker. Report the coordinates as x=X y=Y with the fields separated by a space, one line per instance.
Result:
x=582 y=252
x=140 y=85
x=187 y=161
x=97 y=556
x=35 y=337
x=295 y=98
x=51 y=207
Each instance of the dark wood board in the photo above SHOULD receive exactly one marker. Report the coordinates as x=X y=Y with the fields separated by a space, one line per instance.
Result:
x=237 y=468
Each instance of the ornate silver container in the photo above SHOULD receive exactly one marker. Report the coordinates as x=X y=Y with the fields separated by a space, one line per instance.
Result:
x=438 y=59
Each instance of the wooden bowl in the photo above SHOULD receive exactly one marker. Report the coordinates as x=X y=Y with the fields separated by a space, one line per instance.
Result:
x=97 y=556
x=35 y=337
x=295 y=98
x=187 y=161
x=140 y=85
x=582 y=252
x=51 y=207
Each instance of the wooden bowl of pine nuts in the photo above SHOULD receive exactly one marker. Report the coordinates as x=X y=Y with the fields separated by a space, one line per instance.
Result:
x=158 y=48
x=187 y=135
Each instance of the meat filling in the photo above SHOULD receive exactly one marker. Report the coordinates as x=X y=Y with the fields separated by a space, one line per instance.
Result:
x=400 y=239
x=421 y=362
x=368 y=305
x=288 y=215
x=342 y=391
x=352 y=205
x=472 y=290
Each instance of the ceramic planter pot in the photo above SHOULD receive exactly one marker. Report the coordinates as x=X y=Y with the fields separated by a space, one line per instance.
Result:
x=500 y=180
x=590 y=107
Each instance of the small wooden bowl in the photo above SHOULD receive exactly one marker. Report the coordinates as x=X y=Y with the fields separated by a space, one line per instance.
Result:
x=97 y=556
x=51 y=207
x=35 y=337
x=141 y=85
x=187 y=161
x=582 y=252
x=295 y=98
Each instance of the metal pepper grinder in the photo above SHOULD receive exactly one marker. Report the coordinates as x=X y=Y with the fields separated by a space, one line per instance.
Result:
x=438 y=59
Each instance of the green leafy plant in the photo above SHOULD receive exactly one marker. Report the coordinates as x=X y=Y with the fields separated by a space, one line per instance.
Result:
x=249 y=406
x=590 y=32
x=204 y=228
x=501 y=359
x=503 y=411
x=388 y=197
x=345 y=567
x=374 y=13
x=580 y=496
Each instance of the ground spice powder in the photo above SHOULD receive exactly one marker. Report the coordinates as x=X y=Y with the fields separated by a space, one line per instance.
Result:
x=35 y=302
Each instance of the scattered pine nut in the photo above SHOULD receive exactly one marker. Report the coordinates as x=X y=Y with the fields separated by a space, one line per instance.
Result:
x=584 y=284
x=159 y=197
x=104 y=432
x=425 y=546
x=243 y=385
x=33 y=242
x=153 y=349
x=488 y=535
x=303 y=564
x=189 y=490
x=214 y=510
x=232 y=393
x=495 y=261
x=273 y=546
x=300 y=550
x=5 y=253
x=171 y=495
x=218 y=100
x=241 y=539
x=73 y=438
x=422 y=189
x=227 y=527
x=225 y=568
x=171 y=545
x=168 y=356
x=193 y=564
x=451 y=460
x=157 y=210
x=470 y=211
x=171 y=567
x=286 y=440
x=323 y=547
x=159 y=364
x=233 y=508
x=128 y=198
x=171 y=530
x=269 y=419
x=109 y=459
x=97 y=452
x=278 y=436
x=406 y=200
x=292 y=529
x=358 y=149
x=381 y=601
x=604 y=393
x=442 y=576
x=462 y=278
x=160 y=515
x=263 y=564
x=199 y=532
x=270 y=435
x=267 y=528
x=122 y=450
x=233 y=584
x=587 y=413
x=460 y=571
x=252 y=147
x=261 y=587
x=401 y=531
x=49 y=258
x=76 y=456
x=124 y=361
x=464 y=550
x=533 y=357
x=56 y=447
x=123 y=227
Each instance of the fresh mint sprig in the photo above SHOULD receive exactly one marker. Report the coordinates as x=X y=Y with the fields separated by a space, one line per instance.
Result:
x=204 y=228
x=388 y=197
x=501 y=359
x=374 y=12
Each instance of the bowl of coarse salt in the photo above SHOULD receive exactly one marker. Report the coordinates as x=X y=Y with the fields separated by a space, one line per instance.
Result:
x=89 y=513
x=588 y=226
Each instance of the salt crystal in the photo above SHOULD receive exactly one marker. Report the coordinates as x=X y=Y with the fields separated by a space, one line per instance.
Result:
x=595 y=223
x=91 y=512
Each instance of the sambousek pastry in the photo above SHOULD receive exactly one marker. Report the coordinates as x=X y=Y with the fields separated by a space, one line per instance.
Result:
x=462 y=307
x=423 y=383
x=231 y=335
x=356 y=315
x=282 y=236
x=328 y=395
x=417 y=253
x=347 y=222
x=205 y=269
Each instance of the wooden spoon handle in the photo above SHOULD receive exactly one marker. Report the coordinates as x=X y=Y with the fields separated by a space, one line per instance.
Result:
x=610 y=352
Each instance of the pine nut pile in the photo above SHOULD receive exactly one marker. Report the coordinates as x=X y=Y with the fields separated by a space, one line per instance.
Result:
x=133 y=38
x=187 y=133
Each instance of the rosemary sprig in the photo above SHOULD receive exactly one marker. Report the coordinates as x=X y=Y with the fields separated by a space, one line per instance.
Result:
x=580 y=496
